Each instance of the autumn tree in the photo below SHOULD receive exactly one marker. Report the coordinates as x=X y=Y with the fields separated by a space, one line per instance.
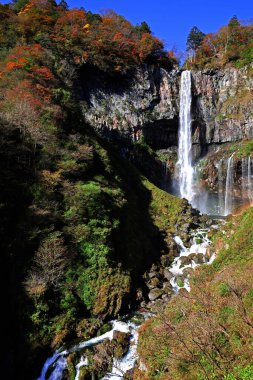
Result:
x=48 y=264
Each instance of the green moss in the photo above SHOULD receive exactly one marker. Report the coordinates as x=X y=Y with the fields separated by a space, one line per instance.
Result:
x=165 y=209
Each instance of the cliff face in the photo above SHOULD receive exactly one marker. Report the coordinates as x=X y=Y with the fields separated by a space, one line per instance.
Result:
x=142 y=103
x=222 y=107
x=145 y=103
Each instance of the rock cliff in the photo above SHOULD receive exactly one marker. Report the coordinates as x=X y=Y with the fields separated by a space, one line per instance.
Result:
x=145 y=103
x=222 y=107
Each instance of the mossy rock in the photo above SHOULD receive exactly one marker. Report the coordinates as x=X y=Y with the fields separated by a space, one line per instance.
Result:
x=104 y=329
x=137 y=319
x=85 y=373
x=180 y=282
x=121 y=341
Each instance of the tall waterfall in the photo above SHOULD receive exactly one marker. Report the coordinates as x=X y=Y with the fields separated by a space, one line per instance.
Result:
x=229 y=186
x=185 y=170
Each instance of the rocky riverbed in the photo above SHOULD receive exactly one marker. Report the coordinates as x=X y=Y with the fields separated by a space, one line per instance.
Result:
x=112 y=354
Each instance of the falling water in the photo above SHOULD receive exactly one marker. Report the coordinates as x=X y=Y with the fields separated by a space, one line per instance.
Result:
x=229 y=186
x=249 y=179
x=244 y=178
x=184 y=147
x=220 y=188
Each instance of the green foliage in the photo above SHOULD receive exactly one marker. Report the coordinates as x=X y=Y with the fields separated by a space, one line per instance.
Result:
x=234 y=22
x=210 y=331
x=231 y=45
x=19 y=4
x=63 y=4
x=240 y=373
x=194 y=39
x=143 y=28
x=224 y=289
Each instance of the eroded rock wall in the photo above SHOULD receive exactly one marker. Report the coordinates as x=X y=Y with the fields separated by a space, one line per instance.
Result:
x=143 y=103
x=222 y=107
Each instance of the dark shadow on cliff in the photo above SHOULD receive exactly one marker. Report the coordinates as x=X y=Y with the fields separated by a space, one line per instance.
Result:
x=198 y=127
x=138 y=242
x=90 y=79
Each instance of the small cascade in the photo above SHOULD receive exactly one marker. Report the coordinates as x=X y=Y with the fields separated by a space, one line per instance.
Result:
x=220 y=188
x=244 y=181
x=189 y=259
x=120 y=367
x=249 y=177
x=83 y=362
x=184 y=164
x=229 y=186
x=58 y=363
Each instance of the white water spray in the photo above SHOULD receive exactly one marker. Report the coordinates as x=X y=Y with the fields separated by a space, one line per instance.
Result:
x=185 y=170
x=188 y=259
x=229 y=186
x=249 y=179
x=220 y=188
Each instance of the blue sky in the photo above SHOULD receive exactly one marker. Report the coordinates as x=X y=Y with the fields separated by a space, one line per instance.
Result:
x=171 y=20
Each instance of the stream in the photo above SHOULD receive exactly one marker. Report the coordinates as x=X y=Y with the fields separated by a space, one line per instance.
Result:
x=188 y=259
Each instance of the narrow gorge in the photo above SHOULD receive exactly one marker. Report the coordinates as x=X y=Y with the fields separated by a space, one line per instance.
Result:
x=233 y=189
x=126 y=193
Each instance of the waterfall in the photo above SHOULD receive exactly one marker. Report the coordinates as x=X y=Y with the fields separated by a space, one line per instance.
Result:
x=229 y=186
x=220 y=188
x=185 y=170
x=244 y=178
x=249 y=179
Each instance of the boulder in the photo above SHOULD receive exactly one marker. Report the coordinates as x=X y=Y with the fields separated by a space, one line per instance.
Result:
x=154 y=294
x=121 y=342
x=167 y=274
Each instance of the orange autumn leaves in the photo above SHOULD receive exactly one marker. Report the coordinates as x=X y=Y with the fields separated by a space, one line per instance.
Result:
x=46 y=36
x=110 y=41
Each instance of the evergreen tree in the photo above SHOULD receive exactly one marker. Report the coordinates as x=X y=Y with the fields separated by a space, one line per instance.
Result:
x=63 y=4
x=144 y=28
x=234 y=22
x=194 y=39
x=18 y=5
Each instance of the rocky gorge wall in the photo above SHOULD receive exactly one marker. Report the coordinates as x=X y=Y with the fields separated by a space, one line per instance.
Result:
x=222 y=107
x=145 y=103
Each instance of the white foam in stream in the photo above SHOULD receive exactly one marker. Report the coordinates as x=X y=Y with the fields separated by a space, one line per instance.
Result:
x=58 y=363
x=120 y=367
x=177 y=269
x=83 y=362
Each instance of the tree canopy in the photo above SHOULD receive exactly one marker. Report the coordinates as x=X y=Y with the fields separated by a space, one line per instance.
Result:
x=194 y=39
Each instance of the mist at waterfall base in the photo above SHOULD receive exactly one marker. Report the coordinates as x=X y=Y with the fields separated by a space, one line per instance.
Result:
x=187 y=181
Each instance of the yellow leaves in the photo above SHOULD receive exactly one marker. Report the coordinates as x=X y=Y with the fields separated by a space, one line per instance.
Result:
x=26 y=8
x=86 y=26
x=50 y=179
